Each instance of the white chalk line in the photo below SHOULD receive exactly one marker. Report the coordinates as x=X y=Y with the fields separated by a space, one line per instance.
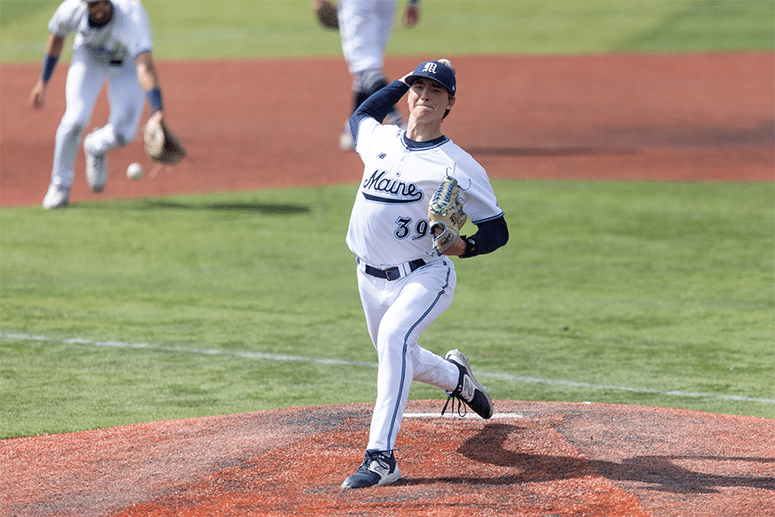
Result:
x=340 y=362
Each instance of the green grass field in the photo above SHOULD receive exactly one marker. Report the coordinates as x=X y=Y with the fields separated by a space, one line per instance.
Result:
x=152 y=309
x=660 y=294
x=213 y=29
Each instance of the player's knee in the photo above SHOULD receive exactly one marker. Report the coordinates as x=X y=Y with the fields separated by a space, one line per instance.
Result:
x=71 y=128
x=124 y=134
x=123 y=139
x=371 y=81
x=124 y=125
x=366 y=84
x=391 y=342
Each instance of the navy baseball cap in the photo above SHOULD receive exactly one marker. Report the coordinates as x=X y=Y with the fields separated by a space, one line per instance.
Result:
x=437 y=71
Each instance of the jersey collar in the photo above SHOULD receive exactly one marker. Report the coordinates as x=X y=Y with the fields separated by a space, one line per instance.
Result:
x=418 y=146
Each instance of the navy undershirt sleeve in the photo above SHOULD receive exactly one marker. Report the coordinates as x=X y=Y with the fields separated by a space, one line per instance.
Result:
x=378 y=105
x=490 y=235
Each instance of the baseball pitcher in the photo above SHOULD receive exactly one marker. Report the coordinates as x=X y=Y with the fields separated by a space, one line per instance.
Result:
x=417 y=191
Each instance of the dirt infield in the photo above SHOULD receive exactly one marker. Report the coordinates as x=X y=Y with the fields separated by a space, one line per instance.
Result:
x=267 y=124
x=547 y=459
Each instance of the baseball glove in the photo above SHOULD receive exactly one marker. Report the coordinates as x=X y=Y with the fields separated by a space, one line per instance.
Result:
x=161 y=144
x=326 y=14
x=445 y=215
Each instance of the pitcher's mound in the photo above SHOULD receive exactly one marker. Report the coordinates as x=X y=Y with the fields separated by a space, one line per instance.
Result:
x=549 y=459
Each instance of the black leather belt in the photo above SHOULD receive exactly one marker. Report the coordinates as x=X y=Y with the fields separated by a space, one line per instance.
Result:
x=392 y=273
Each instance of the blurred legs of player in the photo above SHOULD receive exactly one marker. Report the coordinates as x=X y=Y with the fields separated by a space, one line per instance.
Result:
x=365 y=27
x=126 y=99
x=85 y=79
x=364 y=84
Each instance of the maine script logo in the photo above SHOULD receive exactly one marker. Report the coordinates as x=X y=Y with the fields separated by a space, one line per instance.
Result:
x=390 y=190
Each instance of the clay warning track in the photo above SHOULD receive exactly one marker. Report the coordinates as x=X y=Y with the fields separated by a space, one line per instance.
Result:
x=267 y=124
x=545 y=459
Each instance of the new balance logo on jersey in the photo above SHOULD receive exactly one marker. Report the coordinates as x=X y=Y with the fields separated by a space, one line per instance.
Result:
x=390 y=190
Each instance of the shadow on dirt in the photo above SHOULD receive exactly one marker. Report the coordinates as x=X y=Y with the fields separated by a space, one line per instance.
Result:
x=257 y=208
x=658 y=472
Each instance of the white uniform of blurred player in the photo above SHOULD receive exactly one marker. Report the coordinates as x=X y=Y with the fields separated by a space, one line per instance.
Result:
x=365 y=27
x=112 y=42
x=404 y=288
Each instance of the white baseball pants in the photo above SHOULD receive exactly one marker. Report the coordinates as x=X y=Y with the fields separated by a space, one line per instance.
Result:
x=85 y=78
x=397 y=312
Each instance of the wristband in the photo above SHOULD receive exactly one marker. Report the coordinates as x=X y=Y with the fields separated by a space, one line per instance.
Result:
x=154 y=99
x=470 y=247
x=49 y=63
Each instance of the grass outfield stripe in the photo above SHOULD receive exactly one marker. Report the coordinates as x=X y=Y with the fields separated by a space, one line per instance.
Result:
x=339 y=362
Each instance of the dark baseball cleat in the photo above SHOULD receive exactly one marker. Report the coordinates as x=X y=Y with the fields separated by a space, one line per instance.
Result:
x=468 y=388
x=379 y=468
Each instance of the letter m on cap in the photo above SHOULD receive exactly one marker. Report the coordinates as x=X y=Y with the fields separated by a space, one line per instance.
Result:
x=429 y=67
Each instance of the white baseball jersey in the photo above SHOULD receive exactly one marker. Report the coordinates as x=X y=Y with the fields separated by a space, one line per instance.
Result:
x=389 y=221
x=99 y=53
x=127 y=35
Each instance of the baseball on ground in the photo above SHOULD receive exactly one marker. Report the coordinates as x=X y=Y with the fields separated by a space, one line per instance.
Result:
x=134 y=171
